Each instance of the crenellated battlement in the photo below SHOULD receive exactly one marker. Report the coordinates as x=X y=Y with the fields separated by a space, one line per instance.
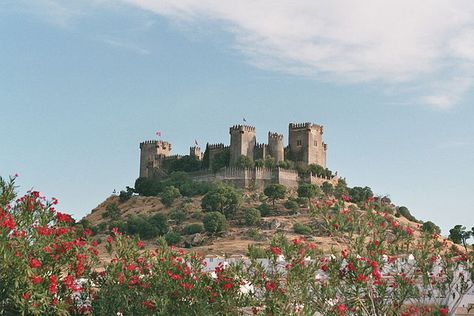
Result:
x=305 y=146
x=241 y=128
x=275 y=136
x=216 y=146
x=306 y=125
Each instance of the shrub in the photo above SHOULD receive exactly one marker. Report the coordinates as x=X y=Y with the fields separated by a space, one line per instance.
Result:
x=406 y=213
x=160 y=221
x=302 y=229
x=308 y=191
x=178 y=216
x=173 y=238
x=112 y=211
x=224 y=199
x=431 y=228
x=193 y=229
x=125 y=195
x=275 y=192
x=214 y=222
x=291 y=205
x=264 y=209
x=327 y=188
x=252 y=216
x=169 y=195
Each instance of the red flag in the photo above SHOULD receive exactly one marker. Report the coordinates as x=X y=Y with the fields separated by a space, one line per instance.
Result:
x=158 y=133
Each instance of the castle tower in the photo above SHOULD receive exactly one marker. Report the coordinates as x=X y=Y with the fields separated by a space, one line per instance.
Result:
x=152 y=153
x=275 y=146
x=242 y=142
x=195 y=151
x=305 y=144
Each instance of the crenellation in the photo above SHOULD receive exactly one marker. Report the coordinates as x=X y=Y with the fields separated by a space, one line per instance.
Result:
x=305 y=146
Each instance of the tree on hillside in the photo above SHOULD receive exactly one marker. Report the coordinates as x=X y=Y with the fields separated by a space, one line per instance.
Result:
x=275 y=192
x=214 y=222
x=341 y=188
x=459 y=235
x=205 y=158
x=169 y=195
x=308 y=191
x=360 y=194
x=224 y=199
x=327 y=188
x=431 y=228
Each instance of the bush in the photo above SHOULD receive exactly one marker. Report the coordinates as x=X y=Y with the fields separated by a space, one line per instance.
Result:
x=160 y=221
x=275 y=192
x=291 y=205
x=125 y=195
x=193 y=229
x=224 y=199
x=302 y=229
x=308 y=191
x=214 y=222
x=173 y=238
x=112 y=211
x=402 y=210
x=431 y=228
x=252 y=216
x=169 y=195
x=178 y=216
x=264 y=209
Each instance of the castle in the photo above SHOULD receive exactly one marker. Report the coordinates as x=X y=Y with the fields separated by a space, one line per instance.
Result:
x=305 y=147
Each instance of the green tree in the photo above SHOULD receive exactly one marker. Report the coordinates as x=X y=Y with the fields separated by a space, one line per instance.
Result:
x=269 y=162
x=259 y=163
x=245 y=162
x=126 y=195
x=402 y=210
x=214 y=222
x=317 y=170
x=309 y=191
x=459 y=235
x=275 y=192
x=221 y=160
x=193 y=229
x=224 y=199
x=169 y=195
x=172 y=238
x=112 y=211
x=302 y=229
x=430 y=227
x=178 y=216
x=359 y=194
x=252 y=216
x=160 y=221
x=341 y=188
x=187 y=164
x=327 y=188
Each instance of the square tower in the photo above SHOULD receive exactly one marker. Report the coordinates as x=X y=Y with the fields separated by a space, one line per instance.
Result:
x=242 y=142
x=305 y=144
x=152 y=154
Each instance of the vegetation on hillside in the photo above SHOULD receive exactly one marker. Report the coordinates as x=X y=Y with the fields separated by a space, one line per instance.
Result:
x=383 y=267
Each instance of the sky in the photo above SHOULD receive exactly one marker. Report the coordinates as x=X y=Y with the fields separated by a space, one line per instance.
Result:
x=83 y=82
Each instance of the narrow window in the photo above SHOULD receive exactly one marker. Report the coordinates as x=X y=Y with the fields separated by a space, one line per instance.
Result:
x=298 y=142
x=315 y=143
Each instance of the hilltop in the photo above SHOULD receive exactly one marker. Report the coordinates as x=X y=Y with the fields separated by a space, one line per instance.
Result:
x=184 y=218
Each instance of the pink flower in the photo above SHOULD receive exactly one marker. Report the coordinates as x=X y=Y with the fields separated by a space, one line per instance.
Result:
x=276 y=251
x=443 y=311
x=35 y=263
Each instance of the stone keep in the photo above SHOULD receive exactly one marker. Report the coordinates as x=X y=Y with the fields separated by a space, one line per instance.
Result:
x=242 y=142
x=152 y=154
x=305 y=144
x=275 y=146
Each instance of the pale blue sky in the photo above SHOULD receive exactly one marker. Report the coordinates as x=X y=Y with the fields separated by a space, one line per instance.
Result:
x=82 y=84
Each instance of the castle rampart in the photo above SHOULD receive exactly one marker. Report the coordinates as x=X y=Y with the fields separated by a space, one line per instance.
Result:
x=305 y=146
